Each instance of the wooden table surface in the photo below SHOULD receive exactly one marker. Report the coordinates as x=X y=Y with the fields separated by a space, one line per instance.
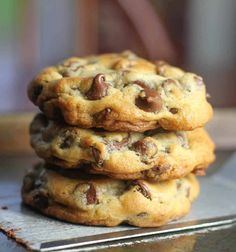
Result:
x=12 y=168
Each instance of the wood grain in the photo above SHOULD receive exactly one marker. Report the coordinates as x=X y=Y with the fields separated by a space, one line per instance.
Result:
x=14 y=133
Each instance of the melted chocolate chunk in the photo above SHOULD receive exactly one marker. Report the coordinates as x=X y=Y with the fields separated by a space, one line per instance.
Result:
x=91 y=195
x=174 y=110
x=151 y=102
x=119 y=145
x=98 y=89
x=115 y=145
x=96 y=155
x=142 y=188
x=145 y=147
x=156 y=171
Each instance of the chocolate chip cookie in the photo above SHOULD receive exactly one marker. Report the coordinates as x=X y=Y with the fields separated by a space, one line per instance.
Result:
x=155 y=154
x=121 y=92
x=104 y=201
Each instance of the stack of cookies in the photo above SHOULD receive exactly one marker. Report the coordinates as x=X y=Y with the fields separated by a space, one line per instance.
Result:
x=122 y=141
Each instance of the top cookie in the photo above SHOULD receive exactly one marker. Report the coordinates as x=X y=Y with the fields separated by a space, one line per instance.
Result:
x=121 y=92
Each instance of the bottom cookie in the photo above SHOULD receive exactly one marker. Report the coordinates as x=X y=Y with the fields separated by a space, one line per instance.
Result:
x=98 y=200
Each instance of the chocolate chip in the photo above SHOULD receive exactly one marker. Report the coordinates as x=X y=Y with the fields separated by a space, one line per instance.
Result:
x=142 y=188
x=155 y=172
x=4 y=207
x=151 y=101
x=174 y=110
x=161 y=168
x=140 y=146
x=96 y=155
x=37 y=90
x=145 y=147
x=103 y=115
x=41 y=201
x=91 y=195
x=115 y=145
x=65 y=73
x=98 y=88
x=167 y=149
x=119 y=145
x=67 y=142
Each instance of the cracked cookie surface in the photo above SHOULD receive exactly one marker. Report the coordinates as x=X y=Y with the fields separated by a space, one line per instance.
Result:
x=121 y=92
x=155 y=155
x=97 y=200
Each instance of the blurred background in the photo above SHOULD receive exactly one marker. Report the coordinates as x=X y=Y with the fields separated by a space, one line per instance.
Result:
x=198 y=35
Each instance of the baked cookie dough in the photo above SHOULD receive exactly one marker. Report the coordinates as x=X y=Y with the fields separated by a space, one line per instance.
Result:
x=97 y=200
x=121 y=92
x=156 y=155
